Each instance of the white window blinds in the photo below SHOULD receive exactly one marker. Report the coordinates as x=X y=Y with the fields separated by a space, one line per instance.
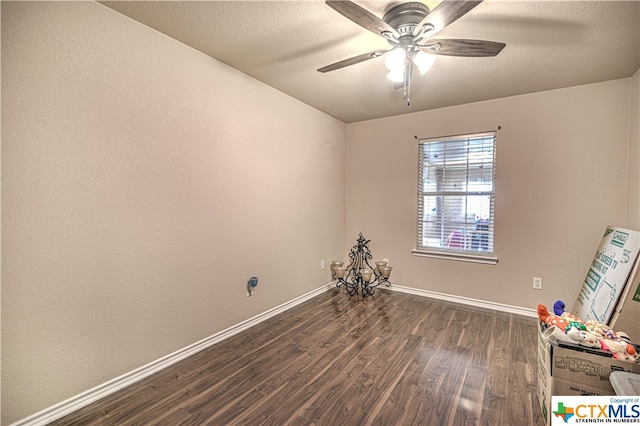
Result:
x=456 y=191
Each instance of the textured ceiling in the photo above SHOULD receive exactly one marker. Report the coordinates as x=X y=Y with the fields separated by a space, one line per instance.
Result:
x=550 y=44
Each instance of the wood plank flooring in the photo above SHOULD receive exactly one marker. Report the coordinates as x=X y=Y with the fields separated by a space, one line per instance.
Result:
x=394 y=360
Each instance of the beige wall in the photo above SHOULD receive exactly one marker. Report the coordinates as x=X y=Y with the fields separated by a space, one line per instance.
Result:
x=633 y=177
x=560 y=180
x=143 y=183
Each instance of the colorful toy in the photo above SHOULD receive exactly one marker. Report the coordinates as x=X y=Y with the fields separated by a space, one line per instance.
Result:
x=561 y=321
x=558 y=307
x=583 y=337
x=620 y=349
x=563 y=326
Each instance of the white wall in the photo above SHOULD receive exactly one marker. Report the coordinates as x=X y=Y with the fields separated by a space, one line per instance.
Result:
x=143 y=183
x=560 y=180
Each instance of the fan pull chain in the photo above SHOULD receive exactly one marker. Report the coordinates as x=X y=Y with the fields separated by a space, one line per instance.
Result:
x=407 y=82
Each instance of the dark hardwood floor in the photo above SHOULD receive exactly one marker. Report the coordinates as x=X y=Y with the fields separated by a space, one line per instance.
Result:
x=397 y=359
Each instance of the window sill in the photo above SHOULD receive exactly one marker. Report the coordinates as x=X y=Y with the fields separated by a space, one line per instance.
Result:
x=463 y=257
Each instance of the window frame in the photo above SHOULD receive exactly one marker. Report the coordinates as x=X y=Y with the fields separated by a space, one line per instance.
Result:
x=465 y=254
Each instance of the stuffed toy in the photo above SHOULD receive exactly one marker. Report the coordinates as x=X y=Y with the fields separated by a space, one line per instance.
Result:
x=583 y=337
x=561 y=321
x=592 y=325
x=572 y=326
x=558 y=308
x=564 y=326
x=619 y=349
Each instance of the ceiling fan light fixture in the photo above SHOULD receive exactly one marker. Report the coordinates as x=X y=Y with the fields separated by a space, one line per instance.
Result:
x=394 y=60
x=396 y=75
x=424 y=61
x=408 y=27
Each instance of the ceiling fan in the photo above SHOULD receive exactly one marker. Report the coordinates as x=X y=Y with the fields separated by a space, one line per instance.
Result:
x=408 y=27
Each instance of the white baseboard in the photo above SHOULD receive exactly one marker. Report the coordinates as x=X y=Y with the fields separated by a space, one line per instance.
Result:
x=90 y=396
x=467 y=301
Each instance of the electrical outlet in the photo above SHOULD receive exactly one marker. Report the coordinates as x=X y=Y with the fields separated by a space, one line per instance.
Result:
x=322 y=264
x=537 y=283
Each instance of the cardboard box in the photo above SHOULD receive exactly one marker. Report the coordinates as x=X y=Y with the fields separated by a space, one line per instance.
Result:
x=572 y=371
x=627 y=314
x=613 y=265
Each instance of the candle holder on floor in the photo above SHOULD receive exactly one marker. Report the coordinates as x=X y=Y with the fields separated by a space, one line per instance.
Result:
x=359 y=276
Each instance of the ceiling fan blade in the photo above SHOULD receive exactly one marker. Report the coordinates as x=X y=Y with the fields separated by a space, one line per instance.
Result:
x=354 y=60
x=444 y=14
x=363 y=17
x=462 y=47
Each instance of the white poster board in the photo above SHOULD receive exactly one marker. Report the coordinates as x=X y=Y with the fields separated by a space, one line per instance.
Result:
x=608 y=275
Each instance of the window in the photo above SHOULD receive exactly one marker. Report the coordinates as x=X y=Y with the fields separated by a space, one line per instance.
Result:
x=456 y=191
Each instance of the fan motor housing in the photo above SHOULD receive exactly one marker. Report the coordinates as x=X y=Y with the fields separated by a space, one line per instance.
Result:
x=404 y=17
